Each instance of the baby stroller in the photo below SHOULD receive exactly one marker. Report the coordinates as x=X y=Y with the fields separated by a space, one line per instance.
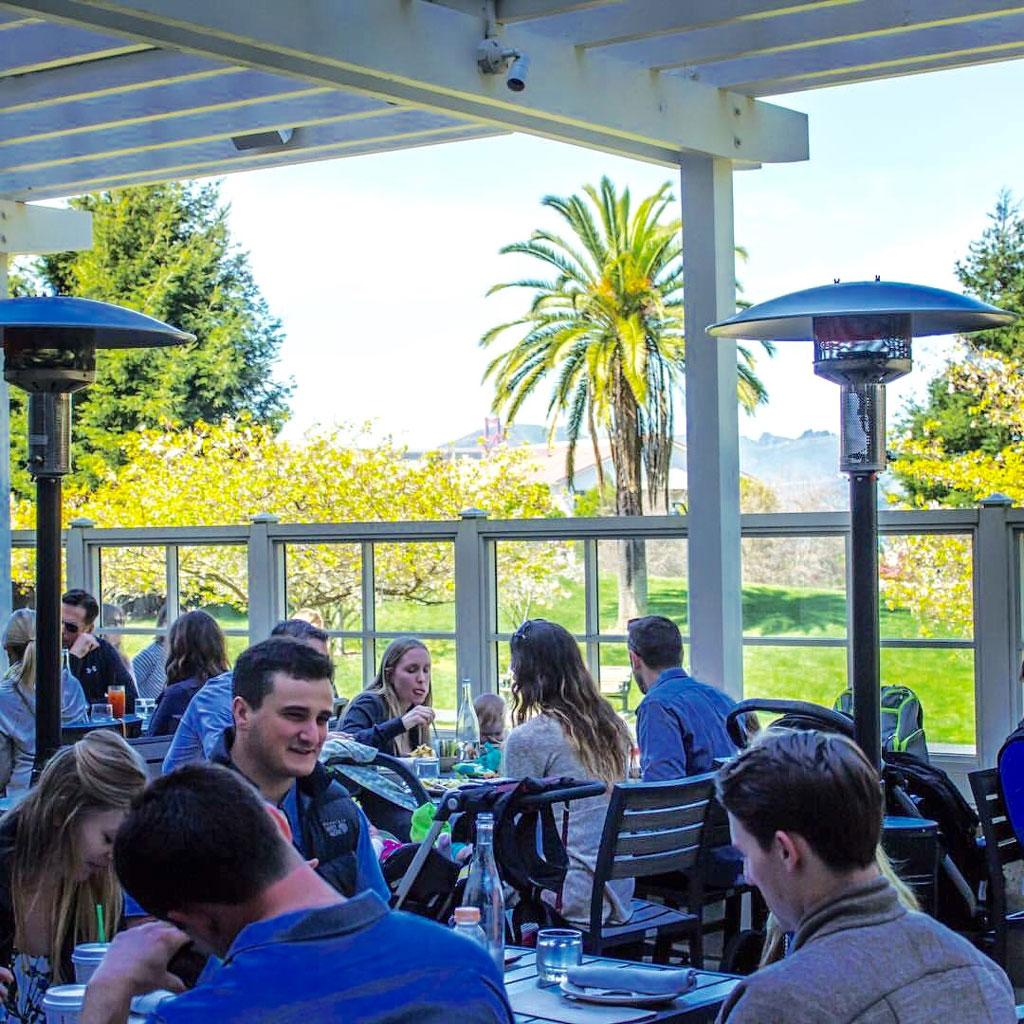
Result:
x=528 y=848
x=913 y=789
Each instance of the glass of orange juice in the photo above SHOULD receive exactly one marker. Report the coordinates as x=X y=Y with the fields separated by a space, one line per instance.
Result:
x=115 y=697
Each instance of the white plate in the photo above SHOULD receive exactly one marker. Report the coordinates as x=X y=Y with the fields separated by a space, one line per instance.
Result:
x=616 y=997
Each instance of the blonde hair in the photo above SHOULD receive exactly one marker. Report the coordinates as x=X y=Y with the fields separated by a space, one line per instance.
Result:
x=774 y=948
x=20 y=639
x=99 y=773
x=384 y=684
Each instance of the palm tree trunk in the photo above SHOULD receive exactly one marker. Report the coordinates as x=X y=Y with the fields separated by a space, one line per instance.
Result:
x=627 y=458
x=598 y=466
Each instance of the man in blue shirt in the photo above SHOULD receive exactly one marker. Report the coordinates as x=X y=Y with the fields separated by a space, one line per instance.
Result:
x=202 y=852
x=209 y=712
x=283 y=700
x=680 y=723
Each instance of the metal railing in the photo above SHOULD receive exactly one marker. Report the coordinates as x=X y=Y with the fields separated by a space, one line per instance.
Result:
x=474 y=544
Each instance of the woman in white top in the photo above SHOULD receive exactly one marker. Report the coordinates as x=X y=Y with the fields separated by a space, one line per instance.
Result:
x=563 y=726
x=18 y=701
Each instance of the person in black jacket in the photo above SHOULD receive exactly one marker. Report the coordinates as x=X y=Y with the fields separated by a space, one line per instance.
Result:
x=92 y=661
x=283 y=699
x=56 y=852
x=393 y=713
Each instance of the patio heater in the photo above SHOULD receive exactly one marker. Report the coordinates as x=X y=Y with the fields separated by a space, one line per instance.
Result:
x=862 y=336
x=50 y=348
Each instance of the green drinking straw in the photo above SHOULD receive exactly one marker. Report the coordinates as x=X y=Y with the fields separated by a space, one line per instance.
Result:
x=99 y=923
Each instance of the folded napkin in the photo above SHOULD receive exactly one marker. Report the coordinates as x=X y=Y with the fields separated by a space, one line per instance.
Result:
x=642 y=980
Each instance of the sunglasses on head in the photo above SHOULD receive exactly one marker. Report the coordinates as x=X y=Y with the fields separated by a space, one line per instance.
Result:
x=522 y=632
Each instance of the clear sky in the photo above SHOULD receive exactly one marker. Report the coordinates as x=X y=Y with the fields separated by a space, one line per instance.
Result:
x=378 y=265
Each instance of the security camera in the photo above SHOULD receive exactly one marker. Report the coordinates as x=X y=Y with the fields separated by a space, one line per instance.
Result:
x=492 y=58
x=516 y=79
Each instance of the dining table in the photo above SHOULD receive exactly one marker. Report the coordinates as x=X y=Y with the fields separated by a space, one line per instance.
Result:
x=532 y=1004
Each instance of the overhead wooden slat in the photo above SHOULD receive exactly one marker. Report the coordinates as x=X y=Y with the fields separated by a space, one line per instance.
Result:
x=219 y=156
x=19 y=156
x=877 y=20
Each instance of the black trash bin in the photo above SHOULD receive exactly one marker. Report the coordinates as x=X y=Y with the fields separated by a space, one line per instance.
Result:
x=912 y=845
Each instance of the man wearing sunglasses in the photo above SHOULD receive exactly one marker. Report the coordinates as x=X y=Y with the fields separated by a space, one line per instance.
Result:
x=94 y=662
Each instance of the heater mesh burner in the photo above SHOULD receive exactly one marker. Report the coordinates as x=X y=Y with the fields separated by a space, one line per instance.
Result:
x=862 y=429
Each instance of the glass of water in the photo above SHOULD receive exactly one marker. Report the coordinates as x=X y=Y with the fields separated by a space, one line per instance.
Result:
x=558 y=949
x=101 y=712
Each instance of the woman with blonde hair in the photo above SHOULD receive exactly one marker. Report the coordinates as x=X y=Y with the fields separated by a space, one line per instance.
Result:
x=18 y=701
x=393 y=713
x=56 y=869
x=563 y=726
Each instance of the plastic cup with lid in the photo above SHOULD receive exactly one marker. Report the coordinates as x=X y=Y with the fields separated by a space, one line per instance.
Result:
x=63 y=1003
x=86 y=958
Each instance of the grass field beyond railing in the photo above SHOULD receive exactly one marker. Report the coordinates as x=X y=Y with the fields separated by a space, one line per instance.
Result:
x=943 y=678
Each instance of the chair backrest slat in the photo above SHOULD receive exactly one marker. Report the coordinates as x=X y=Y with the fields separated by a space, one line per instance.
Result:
x=663 y=841
x=655 y=863
x=666 y=817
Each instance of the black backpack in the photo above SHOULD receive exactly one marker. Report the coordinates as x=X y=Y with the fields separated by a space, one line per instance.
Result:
x=936 y=797
x=902 y=719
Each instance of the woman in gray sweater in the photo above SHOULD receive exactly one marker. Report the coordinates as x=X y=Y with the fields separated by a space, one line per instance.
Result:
x=18 y=701
x=563 y=726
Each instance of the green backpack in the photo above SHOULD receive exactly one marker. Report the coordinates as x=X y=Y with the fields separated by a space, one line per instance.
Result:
x=902 y=719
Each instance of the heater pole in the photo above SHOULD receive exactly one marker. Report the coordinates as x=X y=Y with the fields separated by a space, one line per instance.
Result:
x=48 y=623
x=864 y=614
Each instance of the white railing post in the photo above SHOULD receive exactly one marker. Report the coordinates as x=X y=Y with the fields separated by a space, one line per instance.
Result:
x=997 y=674
x=81 y=569
x=264 y=583
x=471 y=603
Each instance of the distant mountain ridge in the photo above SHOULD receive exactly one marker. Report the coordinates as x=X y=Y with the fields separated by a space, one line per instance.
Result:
x=800 y=470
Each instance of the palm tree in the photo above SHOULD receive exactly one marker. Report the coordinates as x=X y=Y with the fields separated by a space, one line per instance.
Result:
x=608 y=328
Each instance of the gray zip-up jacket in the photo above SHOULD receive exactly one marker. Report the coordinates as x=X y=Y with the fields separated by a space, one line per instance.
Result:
x=865 y=958
x=18 y=724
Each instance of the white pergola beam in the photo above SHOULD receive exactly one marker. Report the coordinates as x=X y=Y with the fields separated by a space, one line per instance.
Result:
x=137 y=134
x=636 y=19
x=956 y=43
x=822 y=80
x=42 y=47
x=877 y=20
x=423 y=54
x=113 y=77
x=396 y=129
x=26 y=229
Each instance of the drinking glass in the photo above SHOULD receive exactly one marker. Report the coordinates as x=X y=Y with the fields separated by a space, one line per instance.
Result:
x=427 y=767
x=558 y=949
x=116 y=696
x=100 y=712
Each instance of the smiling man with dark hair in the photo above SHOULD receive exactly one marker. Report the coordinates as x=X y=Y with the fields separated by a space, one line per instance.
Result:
x=283 y=699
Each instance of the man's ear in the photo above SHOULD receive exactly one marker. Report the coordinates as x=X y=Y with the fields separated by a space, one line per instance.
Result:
x=790 y=850
x=241 y=712
x=280 y=820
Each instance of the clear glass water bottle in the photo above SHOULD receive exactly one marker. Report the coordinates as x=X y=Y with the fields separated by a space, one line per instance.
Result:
x=467 y=726
x=483 y=890
x=467 y=924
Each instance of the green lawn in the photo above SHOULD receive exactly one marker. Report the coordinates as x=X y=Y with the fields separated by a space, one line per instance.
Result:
x=943 y=679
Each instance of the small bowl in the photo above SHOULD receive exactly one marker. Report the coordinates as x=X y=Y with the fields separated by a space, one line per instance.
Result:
x=446 y=763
